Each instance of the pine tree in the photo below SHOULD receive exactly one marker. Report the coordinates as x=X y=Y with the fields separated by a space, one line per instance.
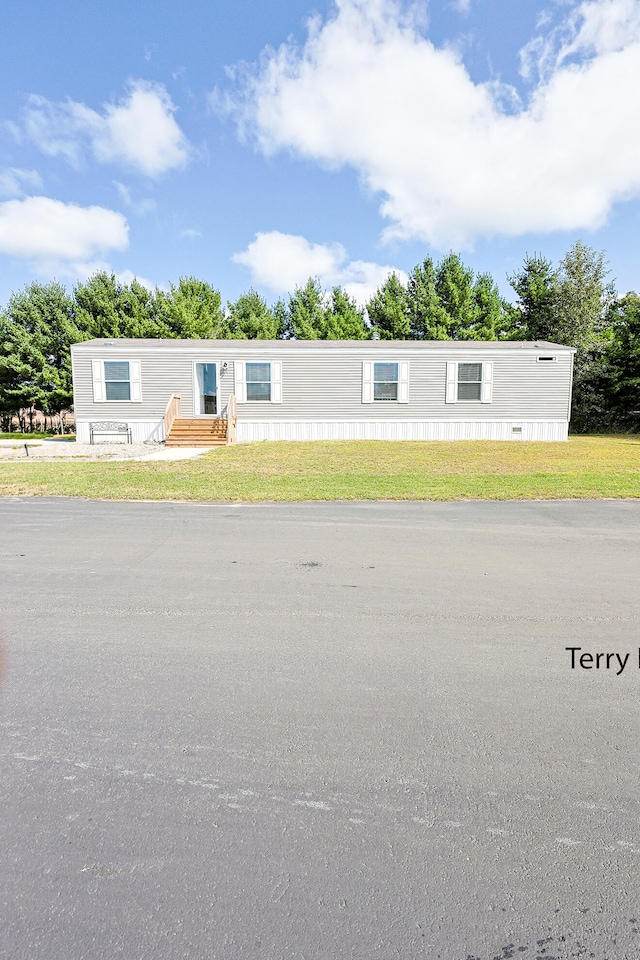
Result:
x=492 y=321
x=249 y=318
x=537 y=306
x=388 y=310
x=343 y=320
x=454 y=286
x=36 y=332
x=306 y=312
x=192 y=310
x=427 y=319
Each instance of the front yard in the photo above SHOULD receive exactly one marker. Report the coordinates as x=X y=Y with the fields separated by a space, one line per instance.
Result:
x=585 y=467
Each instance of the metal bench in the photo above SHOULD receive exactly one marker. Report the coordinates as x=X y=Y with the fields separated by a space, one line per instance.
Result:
x=109 y=427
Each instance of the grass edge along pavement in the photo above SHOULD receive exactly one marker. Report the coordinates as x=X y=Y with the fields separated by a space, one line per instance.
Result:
x=584 y=468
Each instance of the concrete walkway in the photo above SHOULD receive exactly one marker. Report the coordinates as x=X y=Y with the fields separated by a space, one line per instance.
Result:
x=175 y=453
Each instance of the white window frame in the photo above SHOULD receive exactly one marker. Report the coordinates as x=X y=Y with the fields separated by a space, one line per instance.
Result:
x=486 y=384
x=99 y=380
x=368 y=367
x=240 y=377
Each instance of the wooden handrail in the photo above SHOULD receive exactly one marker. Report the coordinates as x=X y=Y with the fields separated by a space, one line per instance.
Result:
x=232 y=419
x=173 y=410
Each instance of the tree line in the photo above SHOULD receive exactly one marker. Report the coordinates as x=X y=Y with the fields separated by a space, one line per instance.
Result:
x=573 y=303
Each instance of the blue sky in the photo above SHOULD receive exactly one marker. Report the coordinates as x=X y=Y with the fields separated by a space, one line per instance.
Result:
x=256 y=144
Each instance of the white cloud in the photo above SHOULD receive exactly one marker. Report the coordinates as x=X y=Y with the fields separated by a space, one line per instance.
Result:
x=15 y=182
x=593 y=27
x=190 y=234
x=141 y=207
x=282 y=261
x=126 y=276
x=139 y=131
x=369 y=91
x=60 y=237
x=461 y=6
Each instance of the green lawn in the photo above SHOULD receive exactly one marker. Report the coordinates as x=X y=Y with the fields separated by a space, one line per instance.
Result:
x=36 y=435
x=585 y=467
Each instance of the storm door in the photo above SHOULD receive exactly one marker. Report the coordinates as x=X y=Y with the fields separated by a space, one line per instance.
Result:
x=206 y=390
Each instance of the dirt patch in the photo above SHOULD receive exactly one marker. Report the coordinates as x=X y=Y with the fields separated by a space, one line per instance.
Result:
x=66 y=449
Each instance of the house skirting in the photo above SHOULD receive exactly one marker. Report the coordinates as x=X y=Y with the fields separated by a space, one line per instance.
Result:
x=142 y=431
x=249 y=431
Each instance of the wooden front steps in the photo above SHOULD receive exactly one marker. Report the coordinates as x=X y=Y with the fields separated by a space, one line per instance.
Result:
x=197 y=432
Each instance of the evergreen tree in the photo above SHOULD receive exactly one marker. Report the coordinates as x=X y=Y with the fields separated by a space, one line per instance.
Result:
x=306 y=313
x=36 y=332
x=427 y=318
x=107 y=308
x=343 y=320
x=571 y=305
x=621 y=381
x=249 y=318
x=537 y=307
x=388 y=310
x=192 y=310
x=492 y=319
x=454 y=287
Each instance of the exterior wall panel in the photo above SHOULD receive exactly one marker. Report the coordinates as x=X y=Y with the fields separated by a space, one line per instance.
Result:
x=322 y=384
x=315 y=389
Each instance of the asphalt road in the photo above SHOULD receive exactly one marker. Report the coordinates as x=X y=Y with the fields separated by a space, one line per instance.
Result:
x=319 y=731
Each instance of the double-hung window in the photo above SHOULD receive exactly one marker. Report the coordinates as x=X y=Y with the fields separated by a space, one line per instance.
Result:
x=469 y=382
x=258 y=381
x=116 y=381
x=385 y=381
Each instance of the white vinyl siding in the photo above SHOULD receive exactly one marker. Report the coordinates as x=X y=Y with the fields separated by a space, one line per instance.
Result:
x=327 y=384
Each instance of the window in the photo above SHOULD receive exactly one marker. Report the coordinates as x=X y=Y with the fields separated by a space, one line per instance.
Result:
x=469 y=382
x=385 y=381
x=258 y=381
x=116 y=381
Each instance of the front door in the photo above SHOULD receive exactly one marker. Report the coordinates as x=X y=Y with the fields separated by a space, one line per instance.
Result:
x=206 y=390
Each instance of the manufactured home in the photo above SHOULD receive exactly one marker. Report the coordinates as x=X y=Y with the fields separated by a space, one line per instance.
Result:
x=221 y=391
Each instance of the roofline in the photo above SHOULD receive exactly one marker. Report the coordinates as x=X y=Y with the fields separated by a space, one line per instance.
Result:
x=301 y=346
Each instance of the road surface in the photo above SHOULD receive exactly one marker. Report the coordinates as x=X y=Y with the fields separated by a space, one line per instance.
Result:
x=319 y=731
